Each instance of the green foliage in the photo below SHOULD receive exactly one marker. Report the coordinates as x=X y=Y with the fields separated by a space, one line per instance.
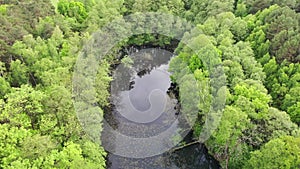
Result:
x=241 y=9
x=4 y=85
x=20 y=19
x=72 y=9
x=278 y=153
x=103 y=12
x=95 y=155
x=172 y=6
x=11 y=138
x=18 y=74
x=275 y=43
x=226 y=143
x=203 y=9
x=283 y=83
x=36 y=146
x=247 y=97
x=255 y=41
x=3 y=9
x=23 y=107
x=102 y=84
x=294 y=112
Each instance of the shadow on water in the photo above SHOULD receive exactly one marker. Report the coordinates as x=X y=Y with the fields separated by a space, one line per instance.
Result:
x=192 y=157
x=132 y=93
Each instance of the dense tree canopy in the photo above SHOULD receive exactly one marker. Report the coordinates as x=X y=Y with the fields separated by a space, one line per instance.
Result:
x=255 y=41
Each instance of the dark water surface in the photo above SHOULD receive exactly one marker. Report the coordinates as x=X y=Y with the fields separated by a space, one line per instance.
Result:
x=144 y=105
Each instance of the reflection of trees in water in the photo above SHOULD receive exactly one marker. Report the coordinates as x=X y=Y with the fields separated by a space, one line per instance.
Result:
x=145 y=60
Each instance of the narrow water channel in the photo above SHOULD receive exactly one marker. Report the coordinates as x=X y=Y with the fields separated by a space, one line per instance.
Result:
x=144 y=104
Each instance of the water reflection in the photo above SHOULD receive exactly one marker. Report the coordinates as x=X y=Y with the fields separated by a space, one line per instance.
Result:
x=147 y=100
x=144 y=105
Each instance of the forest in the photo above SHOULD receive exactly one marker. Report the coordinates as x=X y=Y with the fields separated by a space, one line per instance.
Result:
x=257 y=43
